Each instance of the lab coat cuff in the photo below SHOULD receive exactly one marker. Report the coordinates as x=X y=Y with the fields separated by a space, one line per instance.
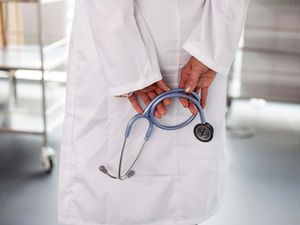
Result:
x=135 y=85
x=195 y=51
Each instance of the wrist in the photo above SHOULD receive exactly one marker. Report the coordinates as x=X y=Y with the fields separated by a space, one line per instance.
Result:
x=125 y=95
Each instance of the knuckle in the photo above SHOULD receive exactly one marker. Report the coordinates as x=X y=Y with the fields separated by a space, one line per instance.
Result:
x=198 y=67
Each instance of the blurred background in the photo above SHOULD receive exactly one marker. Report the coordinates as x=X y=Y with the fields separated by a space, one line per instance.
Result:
x=263 y=113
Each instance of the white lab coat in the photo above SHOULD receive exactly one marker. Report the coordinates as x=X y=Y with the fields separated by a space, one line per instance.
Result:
x=118 y=46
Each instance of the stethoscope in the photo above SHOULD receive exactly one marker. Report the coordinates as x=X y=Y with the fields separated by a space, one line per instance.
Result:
x=202 y=131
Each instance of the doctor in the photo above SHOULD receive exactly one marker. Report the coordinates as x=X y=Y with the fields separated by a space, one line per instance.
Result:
x=139 y=49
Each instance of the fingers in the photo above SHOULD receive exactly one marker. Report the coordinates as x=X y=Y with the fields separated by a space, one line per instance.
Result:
x=149 y=93
x=189 y=87
x=152 y=95
x=188 y=80
x=192 y=82
x=193 y=108
x=203 y=85
x=161 y=107
x=184 y=102
x=206 y=79
x=135 y=104
x=184 y=76
x=159 y=87
x=167 y=101
x=182 y=83
x=204 y=93
x=162 y=85
x=145 y=98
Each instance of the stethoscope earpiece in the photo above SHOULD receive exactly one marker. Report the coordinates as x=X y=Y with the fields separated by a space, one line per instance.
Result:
x=202 y=131
x=103 y=169
x=130 y=173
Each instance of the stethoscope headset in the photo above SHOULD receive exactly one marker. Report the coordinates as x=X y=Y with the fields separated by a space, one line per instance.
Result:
x=203 y=131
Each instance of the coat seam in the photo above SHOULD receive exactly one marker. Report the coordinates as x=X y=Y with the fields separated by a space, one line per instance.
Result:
x=178 y=216
x=108 y=147
x=220 y=45
x=74 y=79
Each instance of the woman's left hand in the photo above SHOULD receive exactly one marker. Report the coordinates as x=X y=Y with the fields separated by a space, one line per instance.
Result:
x=195 y=76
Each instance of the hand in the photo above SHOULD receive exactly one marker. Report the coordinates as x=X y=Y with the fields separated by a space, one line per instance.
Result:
x=195 y=76
x=149 y=93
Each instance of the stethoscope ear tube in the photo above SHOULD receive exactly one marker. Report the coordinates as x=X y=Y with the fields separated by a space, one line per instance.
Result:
x=202 y=131
x=150 y=111
x=128 y=172
x=133 y=120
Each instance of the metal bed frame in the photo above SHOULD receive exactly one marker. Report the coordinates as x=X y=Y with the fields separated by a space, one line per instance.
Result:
x=13 y=59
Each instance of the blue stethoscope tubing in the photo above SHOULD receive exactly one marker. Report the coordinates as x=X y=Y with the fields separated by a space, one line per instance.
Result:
x=203 y=131
x=149 y=112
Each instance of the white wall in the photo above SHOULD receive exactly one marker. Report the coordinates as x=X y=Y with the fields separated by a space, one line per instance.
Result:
x=54 y=21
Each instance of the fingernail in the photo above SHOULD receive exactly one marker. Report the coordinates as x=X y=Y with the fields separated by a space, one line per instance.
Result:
x=188 y=88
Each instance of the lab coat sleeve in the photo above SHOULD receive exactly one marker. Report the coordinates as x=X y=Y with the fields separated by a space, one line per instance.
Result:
x=215 y=39
x=124 y=45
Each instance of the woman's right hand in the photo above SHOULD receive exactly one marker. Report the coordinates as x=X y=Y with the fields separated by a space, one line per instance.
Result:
x=149 y=93
x=195 y=76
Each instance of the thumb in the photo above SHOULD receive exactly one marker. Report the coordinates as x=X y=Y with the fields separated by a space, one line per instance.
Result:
x=162 y=85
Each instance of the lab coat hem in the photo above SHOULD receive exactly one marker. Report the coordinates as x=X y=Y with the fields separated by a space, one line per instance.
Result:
x=74 y=221
x=66 y=220
x=198 y=54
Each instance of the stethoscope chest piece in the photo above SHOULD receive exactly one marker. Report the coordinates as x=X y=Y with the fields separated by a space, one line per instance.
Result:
x=204 y=132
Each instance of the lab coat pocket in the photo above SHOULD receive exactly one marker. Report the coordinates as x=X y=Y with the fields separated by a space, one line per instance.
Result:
x=157 y=157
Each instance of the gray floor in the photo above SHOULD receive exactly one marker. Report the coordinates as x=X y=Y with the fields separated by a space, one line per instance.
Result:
x=27 y=195
x=263 y=183
x=264 y=179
